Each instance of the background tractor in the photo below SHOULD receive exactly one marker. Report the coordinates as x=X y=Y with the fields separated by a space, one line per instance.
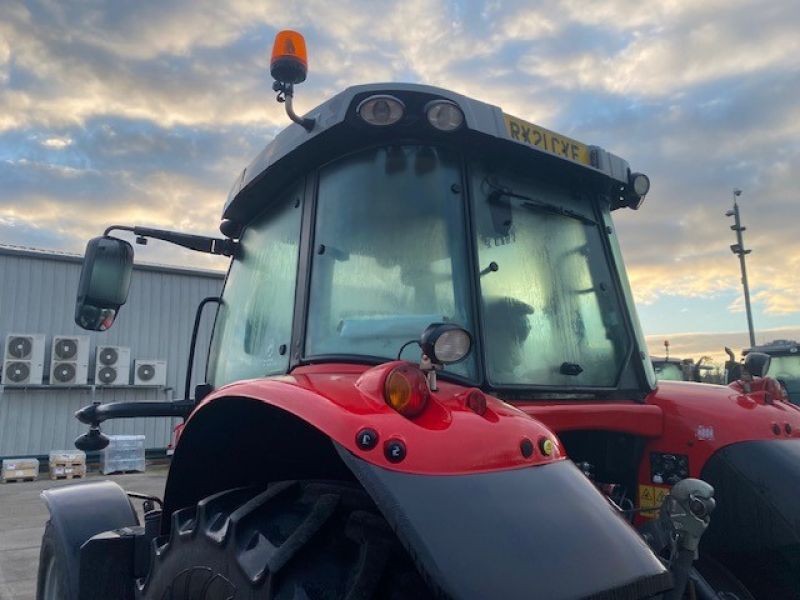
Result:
x=669 y=368
x=426 y=316
x=784 y=365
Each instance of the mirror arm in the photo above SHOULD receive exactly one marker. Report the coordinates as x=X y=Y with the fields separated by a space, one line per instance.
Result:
x=94 y=414
x=199 y=243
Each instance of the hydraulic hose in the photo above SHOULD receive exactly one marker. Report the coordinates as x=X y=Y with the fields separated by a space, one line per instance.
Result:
x=680 y=568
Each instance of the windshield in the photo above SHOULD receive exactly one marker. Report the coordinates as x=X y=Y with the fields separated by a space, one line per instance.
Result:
x=667 y=371
x=390 y=254
x=550 y=310
x=402 y=238
x=787 y=370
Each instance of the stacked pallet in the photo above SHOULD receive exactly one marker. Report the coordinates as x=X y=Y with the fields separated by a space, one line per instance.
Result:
x=19 y=469
x=124 y=454
x=67 y=464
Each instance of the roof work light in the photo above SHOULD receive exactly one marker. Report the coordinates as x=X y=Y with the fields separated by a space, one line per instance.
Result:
x=444 y=115
x=640 y=183
x=381 y=110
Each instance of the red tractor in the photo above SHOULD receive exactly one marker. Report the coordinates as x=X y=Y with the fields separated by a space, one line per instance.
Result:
x=425 y=318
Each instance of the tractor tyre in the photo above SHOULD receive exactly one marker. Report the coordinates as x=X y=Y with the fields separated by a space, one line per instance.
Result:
x=724 y=583
x=296 y=540
x=52 y=579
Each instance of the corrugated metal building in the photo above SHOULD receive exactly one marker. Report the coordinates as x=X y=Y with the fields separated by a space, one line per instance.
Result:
x=37 y=295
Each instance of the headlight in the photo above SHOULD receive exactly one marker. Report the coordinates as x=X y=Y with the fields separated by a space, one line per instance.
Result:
x=381 y=110
x=444 y=115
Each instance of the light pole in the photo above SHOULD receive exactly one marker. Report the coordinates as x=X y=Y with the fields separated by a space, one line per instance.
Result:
x=739 y=249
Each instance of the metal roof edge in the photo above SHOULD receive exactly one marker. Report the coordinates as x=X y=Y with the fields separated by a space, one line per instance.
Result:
x=60 y=256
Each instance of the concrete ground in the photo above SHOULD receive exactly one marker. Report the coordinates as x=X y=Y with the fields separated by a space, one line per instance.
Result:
x=22 y=520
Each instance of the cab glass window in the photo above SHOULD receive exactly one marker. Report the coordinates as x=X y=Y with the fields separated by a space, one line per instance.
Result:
x=254 y=323
x=551 y=313
x=390 y=254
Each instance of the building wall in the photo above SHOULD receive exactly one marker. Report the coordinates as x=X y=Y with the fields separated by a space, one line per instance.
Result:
x=37 y=295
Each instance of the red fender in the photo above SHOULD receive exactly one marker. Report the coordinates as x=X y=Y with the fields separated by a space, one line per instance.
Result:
x=447 y=438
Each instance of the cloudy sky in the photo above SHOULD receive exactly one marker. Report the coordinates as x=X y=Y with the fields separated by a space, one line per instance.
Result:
x=144 y=112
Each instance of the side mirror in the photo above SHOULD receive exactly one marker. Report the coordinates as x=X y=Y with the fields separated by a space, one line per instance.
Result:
x=104 y=283
x=757 y=363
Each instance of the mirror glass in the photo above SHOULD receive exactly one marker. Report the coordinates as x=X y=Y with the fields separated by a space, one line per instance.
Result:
x=104 y=283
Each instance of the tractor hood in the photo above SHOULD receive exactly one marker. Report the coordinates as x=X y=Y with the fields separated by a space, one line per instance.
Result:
x=755 y=529
x=535 y=532
x=707 y=418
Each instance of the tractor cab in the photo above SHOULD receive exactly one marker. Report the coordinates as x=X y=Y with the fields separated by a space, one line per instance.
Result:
x=684 y=369
x=399 y=235
x=669 y=369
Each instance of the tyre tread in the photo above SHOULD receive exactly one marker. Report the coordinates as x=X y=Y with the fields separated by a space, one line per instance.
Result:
x=245 y=526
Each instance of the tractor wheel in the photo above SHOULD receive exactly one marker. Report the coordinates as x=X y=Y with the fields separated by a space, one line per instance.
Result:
x=296 y=540
x=723 y=582
x=52 y=581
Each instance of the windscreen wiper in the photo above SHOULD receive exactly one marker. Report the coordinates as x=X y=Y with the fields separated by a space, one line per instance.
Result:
x=534 y=204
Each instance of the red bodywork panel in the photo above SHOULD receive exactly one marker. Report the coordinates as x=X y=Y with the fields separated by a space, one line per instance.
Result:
x=680 y=418
x=699 y=419
x=626 y=417
x=447 y=438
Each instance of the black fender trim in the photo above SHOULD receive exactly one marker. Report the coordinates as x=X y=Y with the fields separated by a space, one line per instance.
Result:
x=538 y=532
x=236 y=442
x=755 y=528
x=78 y=512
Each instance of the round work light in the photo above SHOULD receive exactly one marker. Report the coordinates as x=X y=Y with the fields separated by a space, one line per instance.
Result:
x=381 y=110
x=445 y=343
x=444 y=115
x=640 y=184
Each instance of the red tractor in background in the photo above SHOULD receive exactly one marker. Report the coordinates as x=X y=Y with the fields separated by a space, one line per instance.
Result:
x=426 y=316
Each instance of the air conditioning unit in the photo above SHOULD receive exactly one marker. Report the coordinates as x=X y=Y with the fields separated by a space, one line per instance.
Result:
x=23 y=358
x=112 y=365
x=69 y=360
x=149 y=372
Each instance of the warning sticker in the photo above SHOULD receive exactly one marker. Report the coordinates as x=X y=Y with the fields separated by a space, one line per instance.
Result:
x=651 y=496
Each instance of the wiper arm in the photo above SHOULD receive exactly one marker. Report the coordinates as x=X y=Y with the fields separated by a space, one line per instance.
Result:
x=533 y=204
x=558 y=210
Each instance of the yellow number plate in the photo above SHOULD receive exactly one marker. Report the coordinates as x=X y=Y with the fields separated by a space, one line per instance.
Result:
x=544 y=139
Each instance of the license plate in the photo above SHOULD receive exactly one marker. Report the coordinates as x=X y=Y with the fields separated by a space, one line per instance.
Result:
x=544 y=139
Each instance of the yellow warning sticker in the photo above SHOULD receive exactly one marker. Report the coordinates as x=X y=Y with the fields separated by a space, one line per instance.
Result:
x=651 y=496
x=646 y=496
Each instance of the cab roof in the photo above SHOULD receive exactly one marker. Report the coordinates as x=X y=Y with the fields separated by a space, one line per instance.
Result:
x=776 y=347
x=295 y=150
